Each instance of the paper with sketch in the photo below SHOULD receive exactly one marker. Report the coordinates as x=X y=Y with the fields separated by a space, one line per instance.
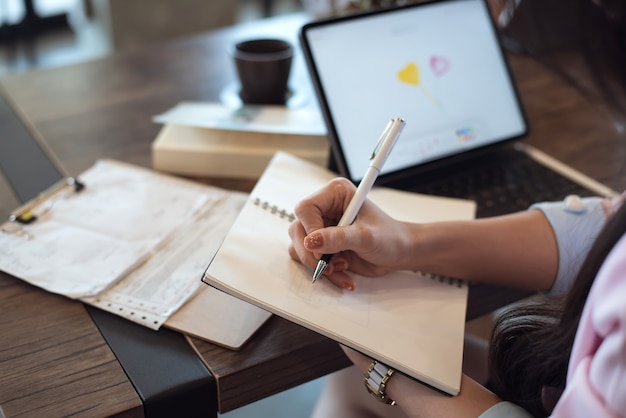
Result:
x=410 y=321
x=250 y=118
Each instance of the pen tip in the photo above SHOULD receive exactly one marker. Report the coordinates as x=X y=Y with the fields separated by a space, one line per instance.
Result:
x=321 y=266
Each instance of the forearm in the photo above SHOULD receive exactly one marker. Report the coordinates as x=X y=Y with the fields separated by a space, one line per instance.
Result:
x=517 y=250
x=419 y=401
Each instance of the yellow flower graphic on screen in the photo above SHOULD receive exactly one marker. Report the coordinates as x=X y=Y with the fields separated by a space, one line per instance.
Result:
x=410 y=75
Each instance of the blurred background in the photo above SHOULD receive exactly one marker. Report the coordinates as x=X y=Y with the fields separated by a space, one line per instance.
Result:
x=48 y=33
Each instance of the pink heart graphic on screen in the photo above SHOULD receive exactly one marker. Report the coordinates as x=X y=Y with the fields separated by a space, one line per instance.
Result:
x=439 y=65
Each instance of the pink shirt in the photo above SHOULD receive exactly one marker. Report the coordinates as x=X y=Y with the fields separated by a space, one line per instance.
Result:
x=596 y=380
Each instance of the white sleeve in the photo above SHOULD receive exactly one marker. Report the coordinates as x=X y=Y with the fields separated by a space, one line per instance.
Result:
x=505 y=409
x=576 y=223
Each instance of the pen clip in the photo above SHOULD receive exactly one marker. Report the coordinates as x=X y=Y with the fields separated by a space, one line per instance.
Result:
x=381 y=140
x=385 y=144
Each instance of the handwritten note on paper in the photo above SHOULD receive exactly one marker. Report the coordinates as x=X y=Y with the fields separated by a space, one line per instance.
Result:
x=83 y=243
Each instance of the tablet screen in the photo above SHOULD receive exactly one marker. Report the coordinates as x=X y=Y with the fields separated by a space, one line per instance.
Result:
x=438 y=65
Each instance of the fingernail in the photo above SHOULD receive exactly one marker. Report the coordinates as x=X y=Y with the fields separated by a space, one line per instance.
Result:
x=313 y=241
x=347 y=286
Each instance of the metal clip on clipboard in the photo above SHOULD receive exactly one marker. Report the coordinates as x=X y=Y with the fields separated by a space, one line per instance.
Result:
x=25 y=214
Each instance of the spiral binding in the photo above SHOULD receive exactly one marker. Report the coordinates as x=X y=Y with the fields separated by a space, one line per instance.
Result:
x=274 y=210
x=443 y=279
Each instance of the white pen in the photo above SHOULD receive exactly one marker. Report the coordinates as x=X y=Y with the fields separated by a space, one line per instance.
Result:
x=387 y=140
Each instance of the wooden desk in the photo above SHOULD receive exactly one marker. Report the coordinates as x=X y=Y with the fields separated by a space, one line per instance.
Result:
x=103 y=109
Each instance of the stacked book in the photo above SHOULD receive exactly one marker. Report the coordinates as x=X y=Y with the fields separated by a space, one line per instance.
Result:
x=214 y=140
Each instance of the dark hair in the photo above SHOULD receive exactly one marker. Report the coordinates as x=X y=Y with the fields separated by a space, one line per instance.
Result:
x=531 y=343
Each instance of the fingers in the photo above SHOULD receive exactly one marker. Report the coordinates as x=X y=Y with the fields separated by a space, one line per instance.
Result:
x=326 y=206
x=306 y=254
x=342 y=279
x=313 y=232
x=328 y=240
x=297 y=249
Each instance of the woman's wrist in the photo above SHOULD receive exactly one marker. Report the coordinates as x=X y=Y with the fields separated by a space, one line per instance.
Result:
x=517 y=250
x=425 y=245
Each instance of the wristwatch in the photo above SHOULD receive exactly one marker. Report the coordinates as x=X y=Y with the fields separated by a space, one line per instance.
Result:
x=376 y=380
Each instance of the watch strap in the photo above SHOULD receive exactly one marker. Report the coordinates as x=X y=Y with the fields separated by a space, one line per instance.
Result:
x=376 y=378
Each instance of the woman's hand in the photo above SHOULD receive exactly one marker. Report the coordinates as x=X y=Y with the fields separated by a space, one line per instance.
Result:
x=517 y=250
x=372 y=246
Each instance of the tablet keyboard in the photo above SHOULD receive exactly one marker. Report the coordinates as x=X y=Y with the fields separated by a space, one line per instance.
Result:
x=501 y=187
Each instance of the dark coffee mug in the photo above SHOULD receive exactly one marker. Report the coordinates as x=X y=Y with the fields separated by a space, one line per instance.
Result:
x=263 y=67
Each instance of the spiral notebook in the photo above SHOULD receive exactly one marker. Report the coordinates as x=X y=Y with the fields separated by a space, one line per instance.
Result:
x=412 y=321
